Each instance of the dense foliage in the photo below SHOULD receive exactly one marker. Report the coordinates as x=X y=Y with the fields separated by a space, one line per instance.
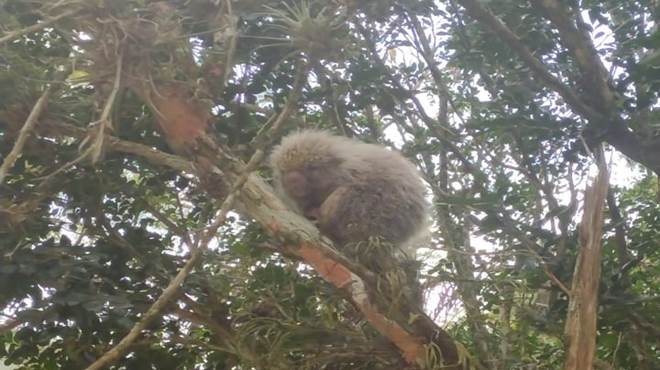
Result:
x=502 y=104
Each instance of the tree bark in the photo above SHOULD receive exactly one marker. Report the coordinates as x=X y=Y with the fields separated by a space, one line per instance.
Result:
x=580 y=330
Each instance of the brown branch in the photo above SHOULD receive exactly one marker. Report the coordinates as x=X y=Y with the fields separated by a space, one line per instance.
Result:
x=10 y=324
x=221 y=333
x=154 y=156
x=170 y=224
x=429 y=58
x=96 y=139
x=476 y=11
x=37 y=26
x=31 y=121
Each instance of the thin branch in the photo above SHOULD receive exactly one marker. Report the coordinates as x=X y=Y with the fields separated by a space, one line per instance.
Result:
x=170 y=224
x=96 y=147
x=265 y=134
x=429 y=58
x=37 y=26
x=152 y=313
x=97 y=135
x=27 y=316
x=619 y=229
x=231 y=32
x=31 y=121
x=172 y=289
x=10 y=325
x=551 y=275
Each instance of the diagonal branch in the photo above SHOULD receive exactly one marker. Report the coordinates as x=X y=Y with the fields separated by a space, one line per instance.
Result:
x=640 y=149
x=31 y=121
x=37 y=26
x=582 y=49
x=172 y=289
x=484 y=16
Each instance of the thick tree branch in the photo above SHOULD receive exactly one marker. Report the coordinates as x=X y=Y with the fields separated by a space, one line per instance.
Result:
x=476 y=11
x=615 y=132
x=152 y=155
x=583 y=50
x=642 y=150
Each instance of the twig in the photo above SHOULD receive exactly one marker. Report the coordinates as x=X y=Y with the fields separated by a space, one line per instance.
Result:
x=170 y=224
x=552 y=276
x=616 y=350
x=122 y=347
x=96 y=147
x=232 y=33
x=37 y=26
x=266 y=132
x=11 y=158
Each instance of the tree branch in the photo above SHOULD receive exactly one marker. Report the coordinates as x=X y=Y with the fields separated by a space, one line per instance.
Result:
x=619 y=229
x=484 y=16
x=172 y=289
x=37 y=26
x=302 y=239
x=582 y=49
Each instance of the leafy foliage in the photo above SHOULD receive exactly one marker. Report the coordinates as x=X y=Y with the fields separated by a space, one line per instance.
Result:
x=86 y=246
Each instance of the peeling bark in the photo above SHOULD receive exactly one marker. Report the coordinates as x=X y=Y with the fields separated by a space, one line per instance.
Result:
x=580 y=330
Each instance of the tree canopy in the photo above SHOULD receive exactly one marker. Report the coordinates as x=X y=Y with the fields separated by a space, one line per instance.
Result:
x=138 y=229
